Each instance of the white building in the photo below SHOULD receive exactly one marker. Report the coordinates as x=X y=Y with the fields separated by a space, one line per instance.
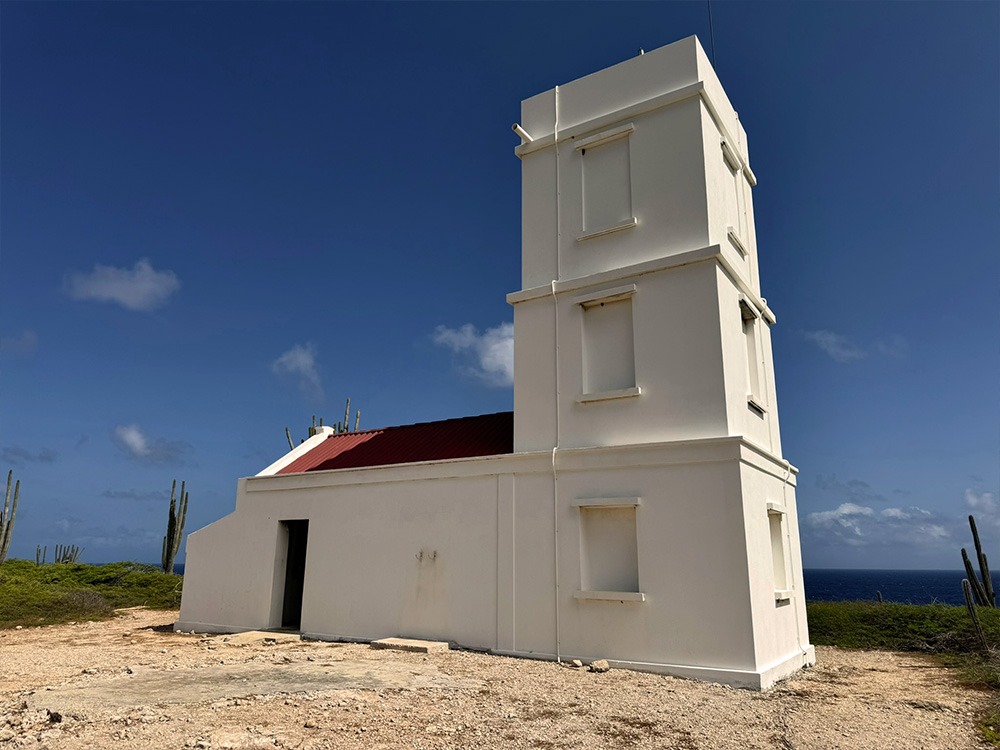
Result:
x=637 y=506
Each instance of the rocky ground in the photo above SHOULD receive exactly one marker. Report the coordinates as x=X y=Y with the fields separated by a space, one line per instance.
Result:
x=134 y=683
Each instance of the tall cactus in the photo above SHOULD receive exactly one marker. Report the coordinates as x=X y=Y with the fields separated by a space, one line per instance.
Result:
x=977 y=626
x=8 y=515
x=981 y=586
x=984 y=568
x=175 y=527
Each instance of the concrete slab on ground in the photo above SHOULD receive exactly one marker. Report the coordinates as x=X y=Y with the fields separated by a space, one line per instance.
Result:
x=411 y=644
x=147 y=686
x=254 y=636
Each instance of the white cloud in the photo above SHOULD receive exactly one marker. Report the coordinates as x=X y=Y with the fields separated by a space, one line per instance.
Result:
x=842 y=349
x=132 y=439
x=836 y=345
x=20 y=346
x=859 y=525
x=141 y=447
x=845 y=516
x=985 y=502
x=492 y=350
x=139 y=288
x=896 y=513
x=984 y=506
x=300 y=362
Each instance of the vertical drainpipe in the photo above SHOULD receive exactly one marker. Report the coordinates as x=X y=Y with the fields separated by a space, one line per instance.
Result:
x=555 y=311
x=788 y=562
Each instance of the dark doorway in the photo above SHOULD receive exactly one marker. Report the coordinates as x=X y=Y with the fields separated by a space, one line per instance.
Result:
x=295 y=573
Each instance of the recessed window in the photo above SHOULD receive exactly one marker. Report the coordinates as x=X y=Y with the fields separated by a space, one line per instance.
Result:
x=609 y=559
x=608 y=347
x=777 y=550
x=608 y=344
x=607 y=182
x=779 y=569
x=738 y=229
x=754 y=357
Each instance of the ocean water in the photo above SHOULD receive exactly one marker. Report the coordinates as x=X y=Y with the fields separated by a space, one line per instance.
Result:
x=904 y=586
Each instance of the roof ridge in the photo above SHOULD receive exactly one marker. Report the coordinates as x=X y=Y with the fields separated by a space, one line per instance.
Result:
x=417 y=424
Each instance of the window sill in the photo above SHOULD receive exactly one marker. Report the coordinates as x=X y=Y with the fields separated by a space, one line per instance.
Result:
x=624 y=597
x=607 y=502
x=587 y=398
x=782 y=595
x=735 y=241
x=601 y=232
x=756 y=407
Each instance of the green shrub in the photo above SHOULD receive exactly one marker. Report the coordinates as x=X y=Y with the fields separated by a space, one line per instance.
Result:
x=900 y=627
x=47 y=594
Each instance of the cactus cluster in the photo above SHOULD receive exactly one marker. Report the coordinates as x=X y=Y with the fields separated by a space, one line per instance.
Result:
x=982 y=586
x=340 y=427
x=175 y=527
x=65 y=553
x=7 y=516
x=978 y=591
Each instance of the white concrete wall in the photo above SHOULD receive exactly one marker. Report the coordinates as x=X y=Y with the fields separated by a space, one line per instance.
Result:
x=678 y=366
x=467 y=551
x=761 y=430
x=692 y=568
x=230 y=570
x=668 y=193
x=781 y=633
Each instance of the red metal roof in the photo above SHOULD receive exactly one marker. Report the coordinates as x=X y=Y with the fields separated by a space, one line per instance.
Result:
x=465 y=437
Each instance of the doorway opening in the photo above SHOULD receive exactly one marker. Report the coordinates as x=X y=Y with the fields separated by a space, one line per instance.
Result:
x=297 y=533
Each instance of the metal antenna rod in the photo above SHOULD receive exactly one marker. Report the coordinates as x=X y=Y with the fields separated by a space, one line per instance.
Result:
x=711 y=29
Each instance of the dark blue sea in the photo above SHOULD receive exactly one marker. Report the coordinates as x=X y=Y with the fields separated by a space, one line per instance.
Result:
x=904 y=586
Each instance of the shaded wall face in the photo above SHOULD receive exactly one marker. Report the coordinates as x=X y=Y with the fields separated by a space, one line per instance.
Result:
x=775 y=563
x=231 y=570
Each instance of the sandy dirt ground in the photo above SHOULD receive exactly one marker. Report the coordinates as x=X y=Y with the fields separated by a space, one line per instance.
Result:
x=134 y=683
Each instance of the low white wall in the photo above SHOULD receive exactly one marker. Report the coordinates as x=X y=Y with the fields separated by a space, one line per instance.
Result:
x=466 y=551
x=229 y=572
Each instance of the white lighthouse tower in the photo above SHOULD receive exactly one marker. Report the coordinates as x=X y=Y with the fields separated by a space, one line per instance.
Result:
x=640 y=328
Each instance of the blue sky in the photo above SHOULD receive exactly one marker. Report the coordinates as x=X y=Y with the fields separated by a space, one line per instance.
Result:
x=219 y=219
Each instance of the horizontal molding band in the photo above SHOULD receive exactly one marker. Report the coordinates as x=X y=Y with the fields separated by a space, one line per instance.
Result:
x=595 y=458
x=675 y=260
x=666 y=99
